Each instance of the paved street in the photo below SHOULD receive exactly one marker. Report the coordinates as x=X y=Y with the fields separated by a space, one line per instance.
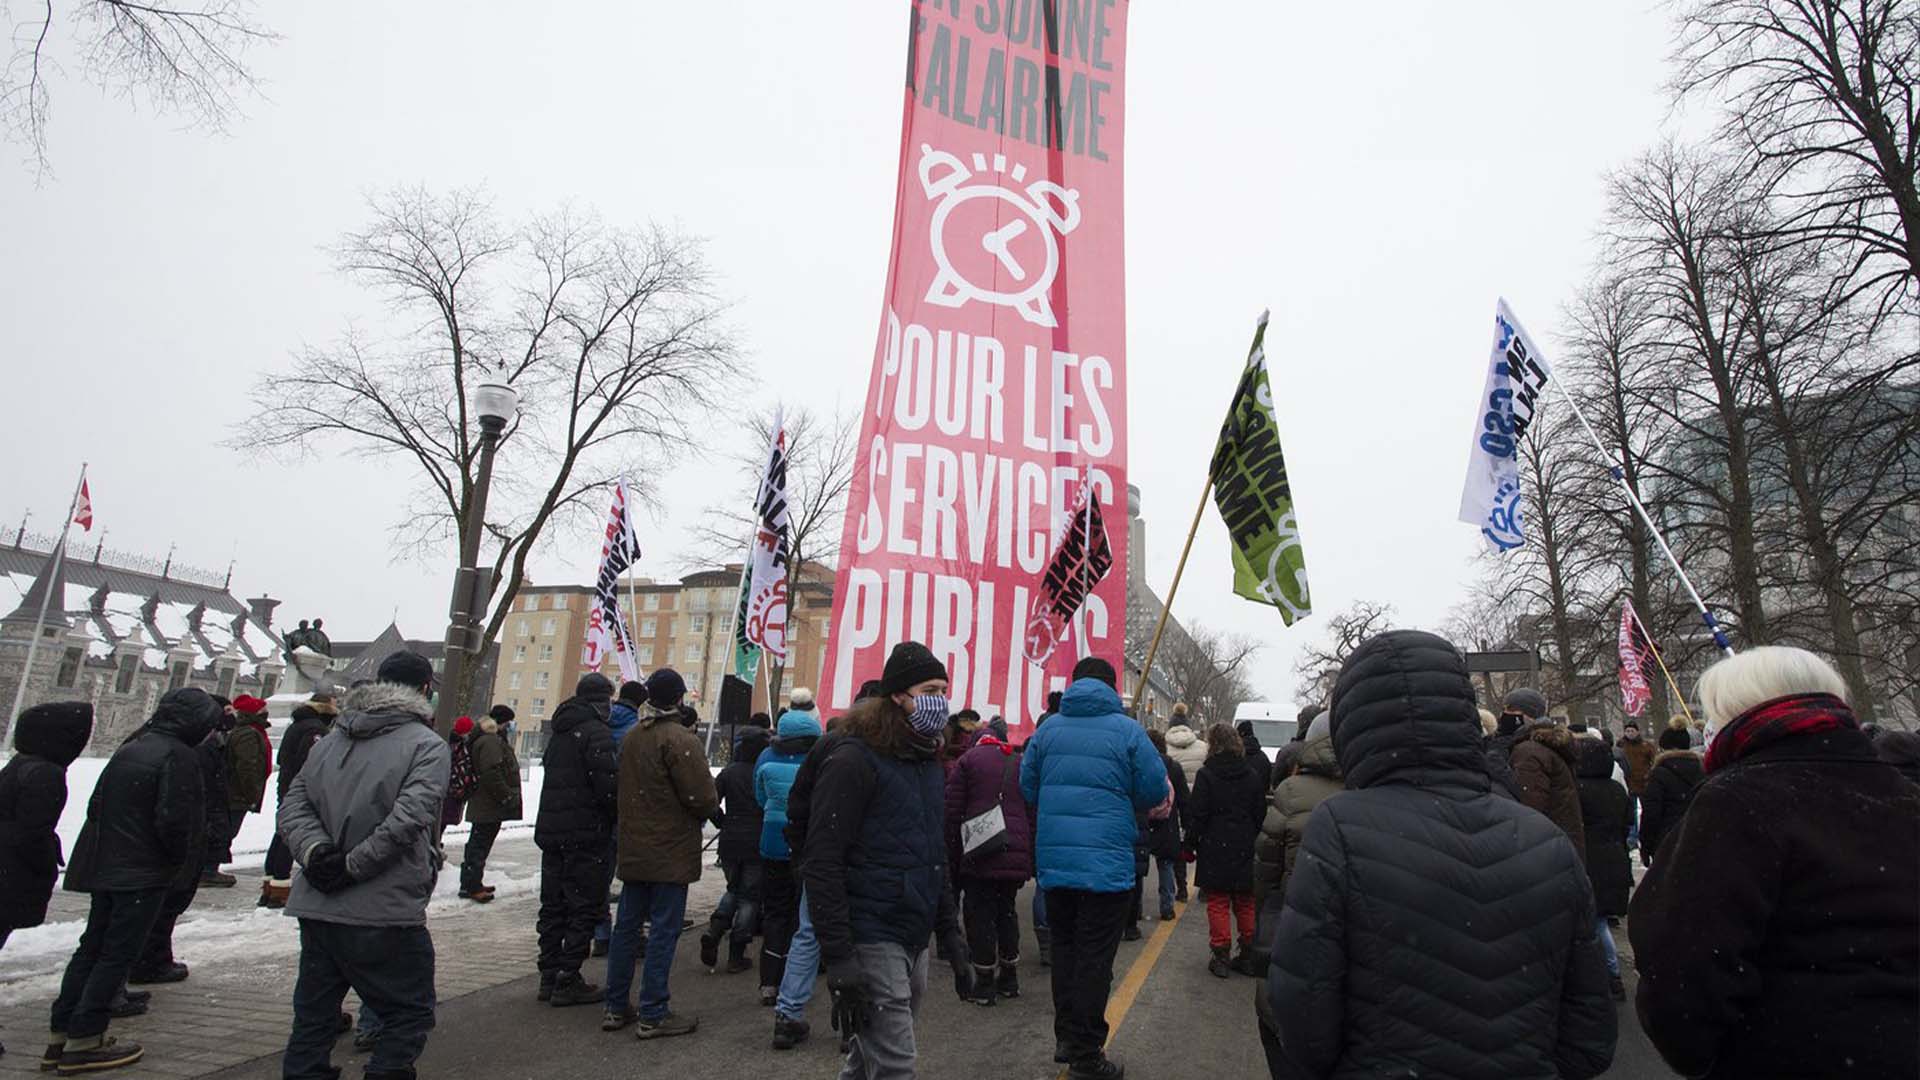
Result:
x=230 y=1019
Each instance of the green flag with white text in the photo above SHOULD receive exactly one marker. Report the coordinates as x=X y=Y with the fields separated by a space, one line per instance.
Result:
x=1256 y=501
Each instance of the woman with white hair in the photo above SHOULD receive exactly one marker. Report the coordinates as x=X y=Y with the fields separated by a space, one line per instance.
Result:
x=1778 y=935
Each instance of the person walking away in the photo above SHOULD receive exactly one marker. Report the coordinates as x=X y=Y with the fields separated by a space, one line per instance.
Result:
x=1289 y=755
x=33 y=792
x=1316 y=779
x=1229 y=804
x=873 y=863
x=249 y=766
x=1538 y=754
x=362 y=818
x=144 y=833
x=1419 y=896
x=495 y=799
x=1188 y=751
x=738 y=914
x=220 y=826
x=574 y=831
x=1777 y=934
x=1087 y=773
x=156 y=962
x=1166 y=837
x=1255 y=754
x=310 y=720
x=620 y=719
x=1676 y=773
x=1635 y=755
x=666 y=794
x=459 y=778
x=783 y=909
x=984 y=804
x=1606 y=812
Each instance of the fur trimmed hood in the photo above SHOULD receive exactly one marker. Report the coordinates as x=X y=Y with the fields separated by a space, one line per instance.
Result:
x=377 y=708
x=1555 y=738
x=1665 y=755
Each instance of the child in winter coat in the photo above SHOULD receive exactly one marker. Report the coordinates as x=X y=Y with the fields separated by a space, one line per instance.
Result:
x=1229 y=801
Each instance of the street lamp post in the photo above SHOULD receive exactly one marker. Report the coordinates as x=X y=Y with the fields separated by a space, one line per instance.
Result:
x=495 y=404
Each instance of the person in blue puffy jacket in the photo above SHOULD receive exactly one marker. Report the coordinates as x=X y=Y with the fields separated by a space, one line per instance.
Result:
x=1088 y=773
x=780 y=903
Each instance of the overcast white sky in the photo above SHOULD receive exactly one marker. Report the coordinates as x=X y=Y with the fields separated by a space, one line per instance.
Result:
x=1377 y=177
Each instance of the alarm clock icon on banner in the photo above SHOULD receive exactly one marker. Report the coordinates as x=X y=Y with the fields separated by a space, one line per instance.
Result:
x=985 y=231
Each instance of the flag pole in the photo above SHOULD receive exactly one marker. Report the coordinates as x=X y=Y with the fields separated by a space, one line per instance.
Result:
x=1166 y=607
x=1619 y=475
x=53 y=578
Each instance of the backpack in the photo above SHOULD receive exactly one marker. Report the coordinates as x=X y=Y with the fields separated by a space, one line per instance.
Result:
x=461 y=779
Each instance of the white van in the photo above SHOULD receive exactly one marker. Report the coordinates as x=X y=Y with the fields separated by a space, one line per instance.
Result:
x=1273 y=723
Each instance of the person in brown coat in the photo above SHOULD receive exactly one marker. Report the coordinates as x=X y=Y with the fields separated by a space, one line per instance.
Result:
x=1536 y=756
x=666 y=794
x=1636 y=758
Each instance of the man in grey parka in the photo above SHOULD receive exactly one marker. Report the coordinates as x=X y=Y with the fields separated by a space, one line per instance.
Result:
x=361 y=819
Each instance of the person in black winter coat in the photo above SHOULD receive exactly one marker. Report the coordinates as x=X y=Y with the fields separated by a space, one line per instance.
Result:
x=1167 y=837
x=1432 y=927
x=1778 y=935
x=156 y=962
x=737 y=915
x=1676 y=773
x=33 y=792
x=1256 y=755
x=221 y=817
x=146 y=822
x=574 y=831
x=1229 y=802
x=310 y=720
x=1606 y=812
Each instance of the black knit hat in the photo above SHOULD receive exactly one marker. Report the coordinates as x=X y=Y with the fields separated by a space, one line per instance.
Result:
x=406 y=668
x=593 y=686
x=665 y=688
x=1095 y=668
x=501 y=714
x=1675 y=739
x=633 y=693
x=910 y=665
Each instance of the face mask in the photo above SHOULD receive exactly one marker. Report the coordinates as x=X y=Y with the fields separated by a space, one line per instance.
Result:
x=929 y=713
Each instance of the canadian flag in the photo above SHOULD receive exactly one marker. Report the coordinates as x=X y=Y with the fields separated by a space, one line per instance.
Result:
x=83 y=508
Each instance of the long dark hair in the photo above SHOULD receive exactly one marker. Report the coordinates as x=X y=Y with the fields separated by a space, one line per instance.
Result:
x=1223 y=740
x=880 y=722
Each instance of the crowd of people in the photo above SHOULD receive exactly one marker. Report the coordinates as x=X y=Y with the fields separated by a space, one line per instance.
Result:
x=1417 y=886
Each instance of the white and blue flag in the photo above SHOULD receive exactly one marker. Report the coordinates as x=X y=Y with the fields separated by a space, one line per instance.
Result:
x=1517 y=374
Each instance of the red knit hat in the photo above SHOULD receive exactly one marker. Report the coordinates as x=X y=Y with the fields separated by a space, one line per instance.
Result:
x=248 y=704
x=463 y=726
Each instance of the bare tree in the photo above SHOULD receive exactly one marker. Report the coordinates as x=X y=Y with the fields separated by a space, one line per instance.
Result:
x=820 y=461
x=1207 y=667
x=1823 y=96
x=187 y=59
x=1319 y=665
x=611 y=337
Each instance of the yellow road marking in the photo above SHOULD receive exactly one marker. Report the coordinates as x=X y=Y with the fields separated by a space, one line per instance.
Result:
x=1122 y=998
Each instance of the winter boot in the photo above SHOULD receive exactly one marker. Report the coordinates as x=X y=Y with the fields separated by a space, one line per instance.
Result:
x=170 y=972
x=546 y=985
x=710 y=948
x=1131 y=933
x=737 y=961
x=122 y=1007
x=570 y=989
x=769 y=995
x=96 y=1055
x=600 y=945
x=666 y=1027
x=788 y=1034
x=1099 y=1068
x=983 y=985
x=210 y=879
x=1045 y=936
x=50 y=1057
x=1007 y=984
x=1243 y=961
x=1220 y=967
x=618 y=1016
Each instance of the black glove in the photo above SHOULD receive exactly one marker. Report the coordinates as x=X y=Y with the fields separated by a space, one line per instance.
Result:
x=956 y=945
x=852 y=1009
x=326 y=869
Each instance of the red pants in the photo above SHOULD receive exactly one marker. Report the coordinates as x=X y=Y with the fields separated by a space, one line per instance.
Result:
x=1225 y=909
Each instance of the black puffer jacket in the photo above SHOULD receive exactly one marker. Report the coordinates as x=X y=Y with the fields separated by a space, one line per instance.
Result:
x=310 y=721
x=1670 y=787
x=1900 y=749
x=1432 y=928
x=581 y=792
x=1165 y=836
x=741 y=815
x=147 y=819
x=1606 y=812
x=33 y=791
x=1229 y=802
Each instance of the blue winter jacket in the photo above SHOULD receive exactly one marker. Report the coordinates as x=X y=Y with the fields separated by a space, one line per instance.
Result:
x=621 y=719
x=1087 y=772
x=773 y=777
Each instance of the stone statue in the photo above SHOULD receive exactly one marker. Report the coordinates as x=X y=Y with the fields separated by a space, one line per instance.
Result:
x=294 y=638
x=318 y=641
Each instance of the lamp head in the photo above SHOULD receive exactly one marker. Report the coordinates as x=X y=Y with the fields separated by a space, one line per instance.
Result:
x=495 y=403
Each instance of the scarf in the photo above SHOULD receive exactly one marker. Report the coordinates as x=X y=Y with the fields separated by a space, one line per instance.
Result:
x=1771 y=721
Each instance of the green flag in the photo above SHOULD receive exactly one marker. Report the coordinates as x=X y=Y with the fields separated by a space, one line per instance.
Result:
x=746 y=655
x=1256 y=501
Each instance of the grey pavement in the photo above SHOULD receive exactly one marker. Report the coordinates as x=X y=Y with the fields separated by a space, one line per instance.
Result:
x=231 y=1018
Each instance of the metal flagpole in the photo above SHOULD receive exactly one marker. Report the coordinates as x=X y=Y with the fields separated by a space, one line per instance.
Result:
x=1166 y=608
x=53 y=578
x=1658 y=659
x=1620 y=477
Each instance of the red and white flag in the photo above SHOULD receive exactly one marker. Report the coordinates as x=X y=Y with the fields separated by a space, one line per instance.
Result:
x=83 y=507
x=770 y=555
x=1081 y=558
x=606 y=630
x=1635 y=649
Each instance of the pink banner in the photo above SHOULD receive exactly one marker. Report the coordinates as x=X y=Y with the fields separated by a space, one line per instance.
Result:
x=999 y=373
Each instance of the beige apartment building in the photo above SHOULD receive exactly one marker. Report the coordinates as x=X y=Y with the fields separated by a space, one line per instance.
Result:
x=686 y=625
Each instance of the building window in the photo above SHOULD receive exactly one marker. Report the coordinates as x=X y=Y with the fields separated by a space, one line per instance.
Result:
x=824 y=624
x=513 y=681
x=546 y=654
x=540 y=679
x=699 y=600
x=646 y=655
x=651 y=603
x=546 y=627
x=177 y=675
x=673 y=627
x=698 y=624
x=519 y=654
x=123 y=678
x=269 y=684
x=539 y=706
x=649 y=627
x=693 y=653
x=525 y=629
x=793 y=631
x=227 y=675
x=69 y=673
x=513 y=703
